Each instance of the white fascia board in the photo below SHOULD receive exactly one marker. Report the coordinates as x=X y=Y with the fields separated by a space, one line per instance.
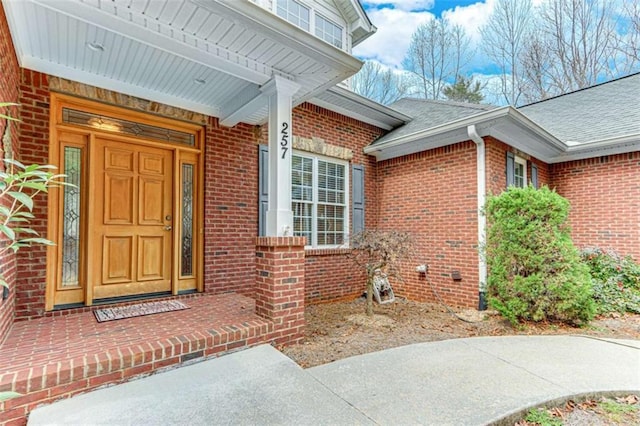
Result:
x=438 y=130
x=546 y=137
x=395 y=118
x=58 y=70
x=285 y=33
x=349 y=113
x=436 y=141
x=485 y=121
x=599 y=148
x=353 y=96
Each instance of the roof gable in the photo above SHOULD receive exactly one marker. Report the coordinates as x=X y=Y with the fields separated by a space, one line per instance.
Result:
x=426 y=114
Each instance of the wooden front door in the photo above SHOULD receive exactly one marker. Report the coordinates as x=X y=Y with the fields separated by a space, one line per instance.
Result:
x=130 y=220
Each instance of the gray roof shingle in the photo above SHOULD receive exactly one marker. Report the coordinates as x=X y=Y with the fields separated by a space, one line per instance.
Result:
x=604 y=111
x=430 y=113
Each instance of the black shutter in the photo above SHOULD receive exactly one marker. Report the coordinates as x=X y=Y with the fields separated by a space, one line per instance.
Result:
x=511 y=169
x=263 y=188
x=534 y=175
x=358 y=198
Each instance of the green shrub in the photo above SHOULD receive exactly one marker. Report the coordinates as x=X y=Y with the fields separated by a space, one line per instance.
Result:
x=535 y=271
x=616 y=281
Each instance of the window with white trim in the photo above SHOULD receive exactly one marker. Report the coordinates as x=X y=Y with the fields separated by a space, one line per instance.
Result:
x=294 y=12
x=328 y=31
x=520 y=172
x=319 y=199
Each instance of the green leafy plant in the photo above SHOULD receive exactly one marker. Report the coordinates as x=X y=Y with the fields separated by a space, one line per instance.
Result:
x=542 y=417
x=19 y=185
x=616 y=281
x=535 y=271
x=616 y=410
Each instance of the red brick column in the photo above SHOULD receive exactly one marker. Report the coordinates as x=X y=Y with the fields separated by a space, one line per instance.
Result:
x=280 y=286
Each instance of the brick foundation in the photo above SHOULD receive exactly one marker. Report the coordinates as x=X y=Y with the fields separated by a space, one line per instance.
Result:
x=330 y=275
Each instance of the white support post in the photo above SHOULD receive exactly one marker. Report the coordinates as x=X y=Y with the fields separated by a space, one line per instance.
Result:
x=279 y=215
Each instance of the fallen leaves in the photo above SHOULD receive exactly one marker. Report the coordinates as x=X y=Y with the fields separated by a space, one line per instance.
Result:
x=623 y=410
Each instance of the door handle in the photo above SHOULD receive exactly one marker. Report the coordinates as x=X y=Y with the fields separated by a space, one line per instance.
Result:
x=168 y=228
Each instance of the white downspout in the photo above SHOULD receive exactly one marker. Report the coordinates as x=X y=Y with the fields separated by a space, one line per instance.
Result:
x=482 y=220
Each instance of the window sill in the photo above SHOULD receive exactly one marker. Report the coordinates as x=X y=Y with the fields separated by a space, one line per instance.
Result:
x=326 y=251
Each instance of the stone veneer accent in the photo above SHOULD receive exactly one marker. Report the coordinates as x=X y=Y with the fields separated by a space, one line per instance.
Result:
x=62 y=85
x=319 y=146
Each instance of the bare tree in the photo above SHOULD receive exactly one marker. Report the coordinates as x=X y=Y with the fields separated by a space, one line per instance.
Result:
x=437 y=54
x=582 y=41
x=380 y=251
x=630 y=43
x=381 y=84
x=579 y=43
x=461 y=47
x=535 y=62
x=503 y=40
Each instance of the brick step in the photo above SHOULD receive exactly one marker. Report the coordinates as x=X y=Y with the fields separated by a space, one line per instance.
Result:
x=44 y=377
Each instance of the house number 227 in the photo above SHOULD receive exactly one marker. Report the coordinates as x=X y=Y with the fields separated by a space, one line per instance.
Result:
x=284 y=139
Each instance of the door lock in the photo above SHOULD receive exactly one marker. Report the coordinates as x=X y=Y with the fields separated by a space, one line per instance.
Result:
x=168 y=228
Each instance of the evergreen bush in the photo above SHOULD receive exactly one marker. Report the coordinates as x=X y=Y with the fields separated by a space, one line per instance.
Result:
x=535 y=271
x=616 y=281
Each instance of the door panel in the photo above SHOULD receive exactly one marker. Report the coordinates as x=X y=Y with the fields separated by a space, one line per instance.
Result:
x=118 y=199
x=117 y=253
x=151 y=261
x=131 y=219
x=151 y=201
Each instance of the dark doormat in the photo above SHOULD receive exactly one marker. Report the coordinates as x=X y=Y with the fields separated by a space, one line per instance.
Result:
x=141 y=309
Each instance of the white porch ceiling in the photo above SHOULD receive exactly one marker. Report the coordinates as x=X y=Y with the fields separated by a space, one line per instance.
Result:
x=157 y=49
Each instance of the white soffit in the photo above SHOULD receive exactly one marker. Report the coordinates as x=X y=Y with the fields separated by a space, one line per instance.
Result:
x=193 y=54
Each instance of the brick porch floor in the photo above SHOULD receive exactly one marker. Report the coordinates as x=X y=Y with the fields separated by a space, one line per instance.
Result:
x=56 y=357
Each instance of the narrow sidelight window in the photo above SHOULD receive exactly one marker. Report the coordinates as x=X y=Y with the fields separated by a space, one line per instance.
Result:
x=186 y=232
x=71 y=217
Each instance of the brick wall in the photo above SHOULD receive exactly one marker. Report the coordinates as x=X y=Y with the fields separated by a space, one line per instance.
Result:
x=34 y=149
x=604 y=193
x=230 y=205
x=432 y=195
x=596 y=188
x=279 y=271
x=9 y=92
x=496 y=161
x=330 y=275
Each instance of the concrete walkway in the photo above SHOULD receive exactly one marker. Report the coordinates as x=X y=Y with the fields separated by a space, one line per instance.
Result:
x=456 y=382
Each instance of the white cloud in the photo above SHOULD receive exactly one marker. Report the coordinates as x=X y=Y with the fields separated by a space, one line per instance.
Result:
x=395 y=27
x=406 y=5
x=471 y=17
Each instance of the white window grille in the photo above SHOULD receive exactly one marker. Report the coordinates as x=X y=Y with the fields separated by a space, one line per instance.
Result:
x=294 y=12
x=328 y=31
x=319 y=200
